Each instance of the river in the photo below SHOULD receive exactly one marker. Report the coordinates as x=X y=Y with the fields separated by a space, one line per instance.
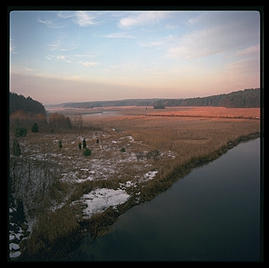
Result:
x=212 y=214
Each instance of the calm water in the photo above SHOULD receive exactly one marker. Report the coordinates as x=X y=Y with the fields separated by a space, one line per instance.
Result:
x=213 y=214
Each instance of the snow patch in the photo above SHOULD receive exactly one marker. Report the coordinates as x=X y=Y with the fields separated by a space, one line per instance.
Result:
x=149 y=175
x=127 y=184
x=130 y=138
x=90 y=178
x=100 y=199
x=13 y=246
x=14 y=254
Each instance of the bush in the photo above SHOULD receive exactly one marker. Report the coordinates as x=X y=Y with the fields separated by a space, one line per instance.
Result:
x=16 y=148
x=35 y=127
x=84 y=143
x=123 y=150
x=59 y=121
x=87 y=152
x=20 y=132
x=60 y=144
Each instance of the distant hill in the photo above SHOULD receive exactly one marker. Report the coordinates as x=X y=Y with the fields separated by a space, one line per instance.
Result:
x=27 y=105
x=128 y=102
x=247 y=98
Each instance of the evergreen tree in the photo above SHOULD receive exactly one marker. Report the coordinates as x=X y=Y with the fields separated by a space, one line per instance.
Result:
x=35 y=127
x=60 y=144
x=87 y=152
x=16 y=148
x=20 y=132
x=84 y=143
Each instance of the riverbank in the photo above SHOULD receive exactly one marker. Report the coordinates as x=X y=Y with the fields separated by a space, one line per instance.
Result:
x=133 y=158
x=212 y=214
x=100 y=223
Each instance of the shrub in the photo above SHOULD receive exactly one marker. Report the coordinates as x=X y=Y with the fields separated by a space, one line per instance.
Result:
x=60 y=144
x=123 y=150
x=16 y=148
x=20 y=132
x=84 y=143
x=59 y=121
x=87 y=152
x=35 y=127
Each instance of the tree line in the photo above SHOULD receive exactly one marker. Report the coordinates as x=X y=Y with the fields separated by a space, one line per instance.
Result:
x=28 y=105
x=26 y=113
x=247 y=98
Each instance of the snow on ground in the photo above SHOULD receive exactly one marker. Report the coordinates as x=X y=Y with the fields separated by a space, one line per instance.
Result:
x=13 y=246
x=132 y=158
x=149 y=176
x=14 y=254
x=130 y=138
x=127 y=184
x=100 y=199
x=16 y=235
x=90 y=178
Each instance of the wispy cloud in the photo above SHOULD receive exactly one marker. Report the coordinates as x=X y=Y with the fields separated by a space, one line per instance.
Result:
x=66 y=14
x=210 y=41
x=151 y=44
x=57 y=45
x=51 y=24
x=166 y=40
x=217 y=32
x=73 y=58
x=64 y=58
x=11 y=47
x=142 y=18
x=243 y=66
x=88 y=63
x=84 y=18
x=249 y=51
x=27 y=69
x=122 y=35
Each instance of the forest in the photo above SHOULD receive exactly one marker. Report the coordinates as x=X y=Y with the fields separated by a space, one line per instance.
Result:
x=27 y=113
x=28 y=105
x=248 y=98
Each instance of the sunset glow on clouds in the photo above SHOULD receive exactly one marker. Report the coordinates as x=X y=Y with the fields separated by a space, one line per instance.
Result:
x=64 y=56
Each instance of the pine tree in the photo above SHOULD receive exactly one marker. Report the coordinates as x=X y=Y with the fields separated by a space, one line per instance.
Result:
x=16 y=148
x=84 y=143
x=87 y=152
x=60 y=144
x=35 y=127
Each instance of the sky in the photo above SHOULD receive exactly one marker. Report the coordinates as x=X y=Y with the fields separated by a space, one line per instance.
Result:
x=72 y=56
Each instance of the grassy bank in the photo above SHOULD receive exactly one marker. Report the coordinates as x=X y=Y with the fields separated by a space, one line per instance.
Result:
x=99 y=224
x=183 y=144
x=57 y=233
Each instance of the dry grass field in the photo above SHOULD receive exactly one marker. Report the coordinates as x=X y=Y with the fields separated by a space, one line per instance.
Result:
x=184 y=131
x=211 y=112
x=138 y=150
